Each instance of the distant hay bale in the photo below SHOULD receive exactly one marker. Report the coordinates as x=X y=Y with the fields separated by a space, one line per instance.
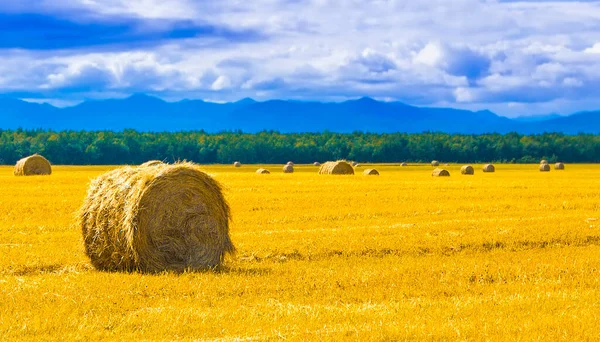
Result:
x=354 y=164
x=288 y=168
x=544 y=167
x=543 y=161
x=403 y=164
x=317 y=164
x=467 y=170
x=290 y=163
x=440 y=173
x=446 y=164
x=371 y=172
x=151 y=163
x=237 y=164
x=559 y=166
x=32 y=166
x=435 y=163
x=263 y=172
x=489 y=168
x=152 y=219
x=340 y=167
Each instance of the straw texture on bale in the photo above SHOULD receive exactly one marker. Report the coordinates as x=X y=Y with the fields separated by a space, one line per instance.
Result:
x=263 y=172
x=403 y=164
x=317 y=164
x=435 y=163
x=340 y=167
x=32 y=166
x=489 y=168
x=152 y=163
x=559 y=166
x=440 y=173
x=288 y=168
x=152 y=219
x=543 y=161
x=371 y=172
x=544 y=167
x=237 y=164
x=467 y=170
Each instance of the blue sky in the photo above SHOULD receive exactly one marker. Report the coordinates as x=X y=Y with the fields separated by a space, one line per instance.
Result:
x=515 y=58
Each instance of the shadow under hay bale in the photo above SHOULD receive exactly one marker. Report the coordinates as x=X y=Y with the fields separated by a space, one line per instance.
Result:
x=152 y=163
x=435 y=163
x=288 y=168
x=467 y=170
x=263 y=172
x=340 y=167
x=440 y=173
x=33 y=165
x=153 y=219
x=237 y=164
x=371 y=172
x=489 y=168
x=544 y=167
x=559 y=166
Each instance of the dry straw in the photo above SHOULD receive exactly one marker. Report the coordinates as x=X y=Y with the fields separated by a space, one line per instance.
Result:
x=467 y=170
x=152 y=163
x=440 y=173
x=544 y=167
x=289 y=168
x=152 y=219
x=33 y=165
x=263 y=172
x=317 y=164
x=371 y=172
x=559 y=166
x=435 y=163
x=340 y=167
x=237 y=164
x=543 y=161
x=489 y=168
x=403 y=164
x=290 y=163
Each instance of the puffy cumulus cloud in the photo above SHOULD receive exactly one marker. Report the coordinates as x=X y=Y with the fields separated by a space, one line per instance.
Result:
x=468 y=53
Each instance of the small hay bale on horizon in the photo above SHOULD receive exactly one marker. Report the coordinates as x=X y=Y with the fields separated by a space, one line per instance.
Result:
x=544 y=167
x=263 y=172
x=340 y=167
x=317 y=164
x=543 y=161
x=34 y=165
x=403 y=164
x=489 y=168
x=290 y=163
x=435 y=163
x=559 y=166
x=467 y=170
x=440 y=173
x=371 y=172
x=354 y=164
x=288 y=168
x=237 y=164
x=152 y=163
x=154 y=219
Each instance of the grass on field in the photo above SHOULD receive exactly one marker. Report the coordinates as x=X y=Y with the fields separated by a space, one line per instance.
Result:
x=509 y=255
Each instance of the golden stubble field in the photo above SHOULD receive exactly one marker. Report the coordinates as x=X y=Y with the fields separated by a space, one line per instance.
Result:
x=509 y=255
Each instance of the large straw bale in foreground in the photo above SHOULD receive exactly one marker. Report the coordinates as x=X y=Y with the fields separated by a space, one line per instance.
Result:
x=151 y=219
x=559 y=166
x=263 y=172
x=340 y=167
x=371 y=172
x=289 y=168
x=489 y=168
x=467 y=170
x=440 y=173
x=151 y=163
x=32 y=166
x=544 y=167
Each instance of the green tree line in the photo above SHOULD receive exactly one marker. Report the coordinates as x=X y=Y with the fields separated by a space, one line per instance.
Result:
x=132 y=147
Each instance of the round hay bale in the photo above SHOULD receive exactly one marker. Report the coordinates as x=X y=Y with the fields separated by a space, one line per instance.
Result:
x=152 y=219
x=435 y=163
x=288 y=168
x=559 y=166
x=467 y=170
x=340 y=167
x=371 y=172
x=354 y=164
x=237 y=164
x=440 y=173
x=544 y=167
x=263 y=172
x=151 y=163
x=403 y=164
x=290 y=163
x=317 y=164
x=32 y=166
x=489 y=168
x=543 y=161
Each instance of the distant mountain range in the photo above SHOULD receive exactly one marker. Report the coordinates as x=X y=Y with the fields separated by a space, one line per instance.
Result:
x=147 y=113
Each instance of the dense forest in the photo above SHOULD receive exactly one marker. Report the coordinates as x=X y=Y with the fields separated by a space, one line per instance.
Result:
x=131 y=147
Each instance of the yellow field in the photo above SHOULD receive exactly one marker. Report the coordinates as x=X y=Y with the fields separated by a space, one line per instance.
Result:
x=509 y=255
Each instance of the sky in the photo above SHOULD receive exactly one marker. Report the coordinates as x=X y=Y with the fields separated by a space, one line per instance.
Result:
x=512 y=57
